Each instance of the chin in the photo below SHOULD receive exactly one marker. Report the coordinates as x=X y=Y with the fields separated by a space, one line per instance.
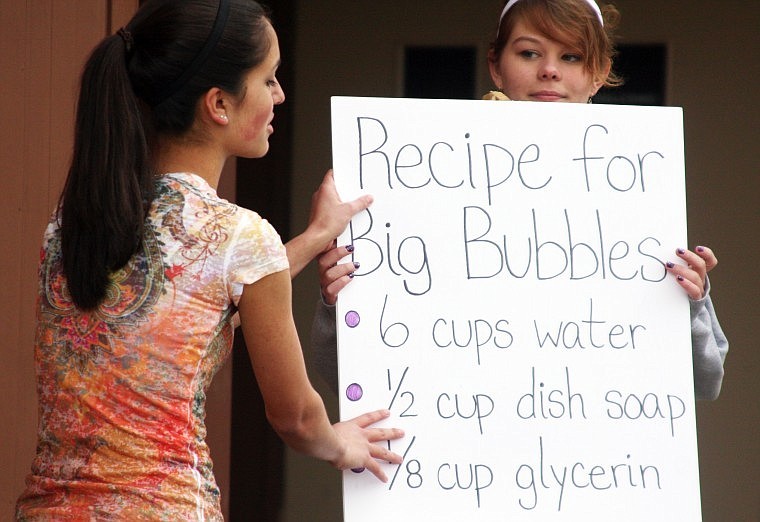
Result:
x=260 y=152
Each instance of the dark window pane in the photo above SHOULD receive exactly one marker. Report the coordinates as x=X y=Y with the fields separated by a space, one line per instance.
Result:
x=439 y=72
x=643 y=68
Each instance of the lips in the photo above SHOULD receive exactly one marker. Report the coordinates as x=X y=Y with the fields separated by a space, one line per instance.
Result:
x=547 y=96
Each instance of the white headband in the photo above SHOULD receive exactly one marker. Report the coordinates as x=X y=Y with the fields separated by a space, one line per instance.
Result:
x=591 y=3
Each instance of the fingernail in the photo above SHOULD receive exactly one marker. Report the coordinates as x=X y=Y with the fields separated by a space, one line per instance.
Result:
x=351 y=275
x=356 y=264
x=680 y=278
x=681 y=251
x=700 y=249
x=349 y=248
x=670 y=264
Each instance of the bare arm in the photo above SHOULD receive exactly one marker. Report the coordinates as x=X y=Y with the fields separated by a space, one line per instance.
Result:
x=294 y=409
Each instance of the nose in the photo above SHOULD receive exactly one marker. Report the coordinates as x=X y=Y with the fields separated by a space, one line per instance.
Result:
x=278 y=95
x=549 y=71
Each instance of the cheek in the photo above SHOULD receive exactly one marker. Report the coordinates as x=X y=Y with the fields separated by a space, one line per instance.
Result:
x=259 y=121
x=514 y=86
x=513 y=74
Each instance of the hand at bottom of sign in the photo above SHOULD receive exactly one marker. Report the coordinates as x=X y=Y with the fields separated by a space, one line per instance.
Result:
x=360 y=450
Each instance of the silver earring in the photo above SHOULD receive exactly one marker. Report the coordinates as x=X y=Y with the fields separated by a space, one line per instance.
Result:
x=223 y=117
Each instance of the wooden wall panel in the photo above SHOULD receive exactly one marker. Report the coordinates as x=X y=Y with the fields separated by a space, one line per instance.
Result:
x=30 y=136
x=43 y=44
x=120 y=13
x=16 y=370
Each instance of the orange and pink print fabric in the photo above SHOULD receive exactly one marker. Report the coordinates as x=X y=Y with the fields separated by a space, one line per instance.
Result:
x=122 y=389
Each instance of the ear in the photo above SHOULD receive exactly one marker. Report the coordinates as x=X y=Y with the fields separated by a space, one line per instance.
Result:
x=493 y=68
x=214 y=106
x=598 y=83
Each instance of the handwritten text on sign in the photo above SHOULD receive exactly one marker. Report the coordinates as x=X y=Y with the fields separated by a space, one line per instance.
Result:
x=512 y=310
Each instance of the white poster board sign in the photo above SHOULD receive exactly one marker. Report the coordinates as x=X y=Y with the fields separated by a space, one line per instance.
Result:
x=512 y=310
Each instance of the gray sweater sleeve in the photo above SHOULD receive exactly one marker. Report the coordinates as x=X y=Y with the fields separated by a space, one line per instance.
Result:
x=324 y=344
x=709 y=348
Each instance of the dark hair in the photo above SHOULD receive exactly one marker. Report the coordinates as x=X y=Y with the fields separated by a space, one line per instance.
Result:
x=122 y=105
x=571 y=22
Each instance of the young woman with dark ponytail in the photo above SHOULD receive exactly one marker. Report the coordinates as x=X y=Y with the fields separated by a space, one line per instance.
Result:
x=144 y=270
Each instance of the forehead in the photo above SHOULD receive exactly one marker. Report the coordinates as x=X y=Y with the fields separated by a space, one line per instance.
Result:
x=267 y=66
x=273 y=48
x=274 y=44
x=533 y=24
x=522 y=28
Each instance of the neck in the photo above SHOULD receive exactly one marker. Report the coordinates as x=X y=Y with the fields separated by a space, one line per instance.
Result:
x=180 y=156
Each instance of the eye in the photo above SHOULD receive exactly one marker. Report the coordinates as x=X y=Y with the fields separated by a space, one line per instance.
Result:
x=572 y=58
x=528 y=53
x=272 y=83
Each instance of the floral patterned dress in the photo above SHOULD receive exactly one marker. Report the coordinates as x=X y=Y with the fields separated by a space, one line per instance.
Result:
x=122 y=389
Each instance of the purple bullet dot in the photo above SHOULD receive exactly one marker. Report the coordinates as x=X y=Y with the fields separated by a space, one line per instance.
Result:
x=352 y=319
x=354 y=392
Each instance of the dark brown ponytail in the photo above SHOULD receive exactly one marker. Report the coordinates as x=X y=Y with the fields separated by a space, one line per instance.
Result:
x=110 y=183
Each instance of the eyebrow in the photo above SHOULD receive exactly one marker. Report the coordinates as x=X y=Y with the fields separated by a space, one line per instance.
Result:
x=529 y=39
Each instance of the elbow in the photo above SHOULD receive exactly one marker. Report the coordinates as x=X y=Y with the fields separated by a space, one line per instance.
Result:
x=295 y=425
x=293 y=431
x=708 y=386
x=708 y=395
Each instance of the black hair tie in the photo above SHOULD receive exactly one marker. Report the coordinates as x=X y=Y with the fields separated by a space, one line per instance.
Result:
x=127 y=37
